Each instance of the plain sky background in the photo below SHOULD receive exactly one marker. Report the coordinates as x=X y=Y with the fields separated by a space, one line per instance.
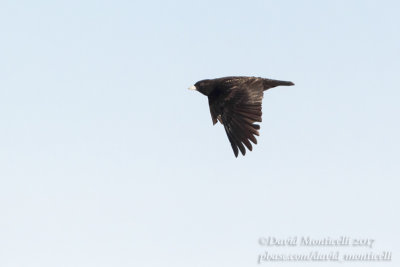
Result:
x=106 y=159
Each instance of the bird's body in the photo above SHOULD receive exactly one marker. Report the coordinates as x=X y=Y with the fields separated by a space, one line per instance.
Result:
x=236 y=103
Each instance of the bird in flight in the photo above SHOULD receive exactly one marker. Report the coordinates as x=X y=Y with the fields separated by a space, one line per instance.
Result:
x=236 y=103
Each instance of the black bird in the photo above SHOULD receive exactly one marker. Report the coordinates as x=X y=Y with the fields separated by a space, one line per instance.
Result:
x=236 y=103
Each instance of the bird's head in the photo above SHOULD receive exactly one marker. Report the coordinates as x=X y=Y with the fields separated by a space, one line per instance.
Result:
x=204 y=86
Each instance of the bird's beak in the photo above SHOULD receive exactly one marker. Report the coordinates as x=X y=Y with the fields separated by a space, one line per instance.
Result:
x=192 y=88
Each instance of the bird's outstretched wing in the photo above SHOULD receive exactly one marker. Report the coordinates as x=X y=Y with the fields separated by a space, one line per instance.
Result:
x=239 y=110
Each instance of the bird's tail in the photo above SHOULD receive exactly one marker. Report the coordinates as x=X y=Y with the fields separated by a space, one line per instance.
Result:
x=269 y=83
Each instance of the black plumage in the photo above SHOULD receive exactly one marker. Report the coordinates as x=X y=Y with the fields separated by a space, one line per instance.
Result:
x=236 y=103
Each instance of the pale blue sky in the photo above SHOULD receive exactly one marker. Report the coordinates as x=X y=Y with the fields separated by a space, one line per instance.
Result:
x=106 y=159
